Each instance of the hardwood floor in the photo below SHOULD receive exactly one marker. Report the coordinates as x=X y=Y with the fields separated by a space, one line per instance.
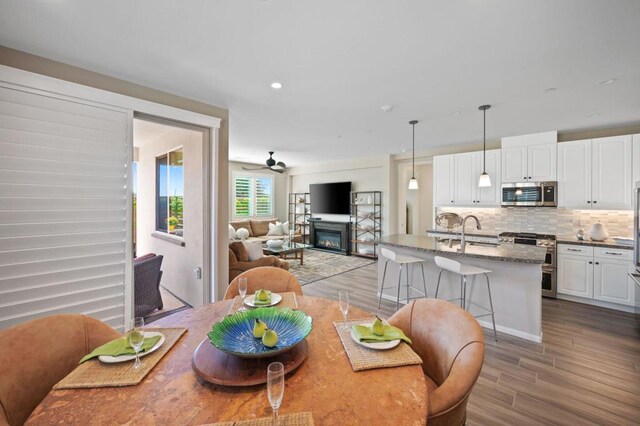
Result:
x=585 y=371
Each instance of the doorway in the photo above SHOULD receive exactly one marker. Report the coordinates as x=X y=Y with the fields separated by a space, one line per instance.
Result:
x=170 y=176
x=415 y=215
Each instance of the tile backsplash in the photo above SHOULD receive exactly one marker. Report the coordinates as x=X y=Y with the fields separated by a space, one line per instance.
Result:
x=557 y=221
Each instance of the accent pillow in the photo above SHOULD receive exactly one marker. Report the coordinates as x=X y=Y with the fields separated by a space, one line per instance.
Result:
x=275 y=229
x=285 y=227
x=246 y=224
x=242 y=233
x=254 y=249
x=232 y=233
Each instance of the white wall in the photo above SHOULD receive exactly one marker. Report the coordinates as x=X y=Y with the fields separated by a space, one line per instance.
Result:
x=280 y=189
x=365 y=174
x=179 y=262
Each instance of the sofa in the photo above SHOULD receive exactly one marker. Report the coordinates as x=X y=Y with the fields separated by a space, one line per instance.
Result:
x=258 y=229
x=239 y=260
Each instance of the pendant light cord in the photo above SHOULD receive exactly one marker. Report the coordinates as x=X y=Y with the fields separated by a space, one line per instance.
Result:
x=484 y=141
x=413 y=152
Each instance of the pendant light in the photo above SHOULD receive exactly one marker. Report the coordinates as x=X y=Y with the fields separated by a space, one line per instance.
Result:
x=413 y=182
x=485 y=180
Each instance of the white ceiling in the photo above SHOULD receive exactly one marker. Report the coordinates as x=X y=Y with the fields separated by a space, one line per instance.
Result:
x=340 y=61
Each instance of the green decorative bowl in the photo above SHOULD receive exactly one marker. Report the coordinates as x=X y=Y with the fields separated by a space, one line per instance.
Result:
x=234 y=334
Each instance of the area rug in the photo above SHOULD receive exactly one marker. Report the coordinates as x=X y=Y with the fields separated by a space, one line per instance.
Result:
x=319 y=265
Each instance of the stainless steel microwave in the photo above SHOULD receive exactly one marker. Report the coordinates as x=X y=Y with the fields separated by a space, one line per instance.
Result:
x=530 y=194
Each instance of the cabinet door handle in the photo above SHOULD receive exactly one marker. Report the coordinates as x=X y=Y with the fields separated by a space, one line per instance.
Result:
x=615 y=254
x=597 y=263
x=529 y=177
x=588 y=202
x=524 y=177
x=590 y=263
x=570 y=249
x=595 y=202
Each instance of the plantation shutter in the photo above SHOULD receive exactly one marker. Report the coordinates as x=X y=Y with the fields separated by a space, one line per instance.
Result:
x=63 y=177
x=263 y=196
x=242 y=199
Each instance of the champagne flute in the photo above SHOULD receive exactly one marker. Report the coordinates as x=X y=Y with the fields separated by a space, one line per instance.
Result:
x=136 y=338
x=343 y=297
x=275 y=388
x=242 y=289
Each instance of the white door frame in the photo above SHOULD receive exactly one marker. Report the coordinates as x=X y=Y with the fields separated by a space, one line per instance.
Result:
x=26 y=81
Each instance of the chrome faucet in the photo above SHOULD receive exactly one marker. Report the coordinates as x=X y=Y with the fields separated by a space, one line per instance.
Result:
x=463 y=241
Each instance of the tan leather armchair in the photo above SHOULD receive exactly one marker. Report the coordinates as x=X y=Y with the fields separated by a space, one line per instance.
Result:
x=451 y=344
x=239 y=261
x=274 y=279
x=36 y=355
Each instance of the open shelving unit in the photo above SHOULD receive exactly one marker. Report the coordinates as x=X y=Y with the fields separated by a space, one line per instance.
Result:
x=366 y=220
x=299 y=214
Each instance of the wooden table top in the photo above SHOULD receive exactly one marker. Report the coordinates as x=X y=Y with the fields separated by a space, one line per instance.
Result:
x=324 y=384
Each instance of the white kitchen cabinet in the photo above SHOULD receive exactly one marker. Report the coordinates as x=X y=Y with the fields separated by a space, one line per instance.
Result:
x=595 y=174
x=596 y=273
x=466 y=180
x=530 y=158
x=456 y=179
x=575 y=275
x=636 y=158
x=443 y=180
x=611 y=281
x=612 y=174
x=514 y=164
x=574 y=174
x=489 y=196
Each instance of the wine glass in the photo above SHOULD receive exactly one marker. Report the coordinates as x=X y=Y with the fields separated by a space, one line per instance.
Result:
x=275 y=387
x=136 y=338
x=343 y=297
x=242 y=289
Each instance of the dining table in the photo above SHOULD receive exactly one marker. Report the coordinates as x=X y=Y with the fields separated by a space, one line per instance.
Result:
x=324 y=384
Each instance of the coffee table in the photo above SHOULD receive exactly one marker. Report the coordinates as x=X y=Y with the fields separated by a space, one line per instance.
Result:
x=287 y=251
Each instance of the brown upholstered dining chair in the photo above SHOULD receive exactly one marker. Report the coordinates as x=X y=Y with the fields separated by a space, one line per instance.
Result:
x=451 y=344
x=36 y=355
x=275 y=279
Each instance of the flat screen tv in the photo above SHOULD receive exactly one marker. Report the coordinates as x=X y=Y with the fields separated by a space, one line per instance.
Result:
x=330 y=198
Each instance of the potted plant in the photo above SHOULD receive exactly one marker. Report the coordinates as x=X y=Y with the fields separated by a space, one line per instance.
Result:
x=172 y=222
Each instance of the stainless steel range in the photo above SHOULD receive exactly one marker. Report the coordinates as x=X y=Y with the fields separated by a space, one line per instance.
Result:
x=549 y=266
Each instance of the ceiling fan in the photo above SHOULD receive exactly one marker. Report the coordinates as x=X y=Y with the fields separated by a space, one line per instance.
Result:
x=278 y=167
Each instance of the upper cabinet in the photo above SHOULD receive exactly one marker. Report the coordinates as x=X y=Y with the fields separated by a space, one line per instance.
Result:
x=529 y=158
x=455 y=179
x=596 y=173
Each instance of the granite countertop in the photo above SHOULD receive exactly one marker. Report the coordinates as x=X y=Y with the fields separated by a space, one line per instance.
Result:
x=502 y=252
x=610 y=243
x=467 y=233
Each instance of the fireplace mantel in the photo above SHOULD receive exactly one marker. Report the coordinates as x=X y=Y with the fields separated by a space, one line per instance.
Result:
x=340 y=229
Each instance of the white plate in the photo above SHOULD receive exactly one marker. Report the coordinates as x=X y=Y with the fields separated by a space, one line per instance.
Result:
x=108 y=359
x=275 y=299
x=378 y=345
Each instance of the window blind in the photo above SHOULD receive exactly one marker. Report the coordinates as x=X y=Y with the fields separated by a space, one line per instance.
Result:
x=253 y=196
x=63 y=176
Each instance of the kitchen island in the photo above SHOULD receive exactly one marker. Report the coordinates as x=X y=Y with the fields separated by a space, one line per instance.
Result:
x=515 y=279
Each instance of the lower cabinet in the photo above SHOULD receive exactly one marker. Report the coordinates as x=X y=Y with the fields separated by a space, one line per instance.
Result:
x=596 y=273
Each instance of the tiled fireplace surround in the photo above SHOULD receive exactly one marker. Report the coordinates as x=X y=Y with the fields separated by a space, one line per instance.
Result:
x=546 y=220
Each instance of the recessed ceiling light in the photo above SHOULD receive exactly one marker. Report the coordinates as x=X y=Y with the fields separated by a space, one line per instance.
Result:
x=276 y=85
x=610 y=81
x=386 y=108
x=551 y=90
x=456 y=113
x=339 y=136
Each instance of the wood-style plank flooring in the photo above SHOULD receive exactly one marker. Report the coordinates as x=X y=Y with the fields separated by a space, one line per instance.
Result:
x=586 y=370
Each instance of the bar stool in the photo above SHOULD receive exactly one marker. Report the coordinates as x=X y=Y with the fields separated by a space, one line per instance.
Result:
x=464 y=271
x=401 y=260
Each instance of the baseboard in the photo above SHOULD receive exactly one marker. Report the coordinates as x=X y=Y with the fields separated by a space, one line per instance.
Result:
x=594 y=302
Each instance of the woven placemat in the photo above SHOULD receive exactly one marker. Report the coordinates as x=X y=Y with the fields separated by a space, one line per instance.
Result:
x=297 y=419
x=362 y=358
x=95 y=374
x=289 y=300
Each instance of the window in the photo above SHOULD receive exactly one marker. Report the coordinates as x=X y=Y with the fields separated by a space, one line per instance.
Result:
x=252 y=195
x=170 y=193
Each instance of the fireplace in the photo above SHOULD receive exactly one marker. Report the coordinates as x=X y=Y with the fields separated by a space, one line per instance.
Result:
x=330 y=236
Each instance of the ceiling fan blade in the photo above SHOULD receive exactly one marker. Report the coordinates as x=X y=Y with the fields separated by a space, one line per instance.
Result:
x=277 y=170
x=281 y=164
x=256 y=168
